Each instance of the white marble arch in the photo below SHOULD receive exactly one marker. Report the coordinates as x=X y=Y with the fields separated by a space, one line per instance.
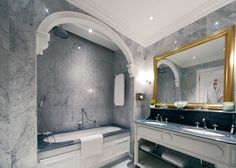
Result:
x=173 y=68
x=63 y=17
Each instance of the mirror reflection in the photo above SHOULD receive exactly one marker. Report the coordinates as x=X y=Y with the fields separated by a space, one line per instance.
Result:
x=193 y=75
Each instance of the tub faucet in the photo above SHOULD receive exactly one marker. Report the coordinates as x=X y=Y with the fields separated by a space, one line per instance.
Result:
x=84 y=113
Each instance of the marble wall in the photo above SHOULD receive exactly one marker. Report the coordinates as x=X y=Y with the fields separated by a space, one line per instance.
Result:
x=5 y=156
x=24 y=18
x=121 y=114
x=22 y=86
x=21 y=121
x=71 y=79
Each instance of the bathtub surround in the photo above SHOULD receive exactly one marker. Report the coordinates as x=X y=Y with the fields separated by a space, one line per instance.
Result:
x=24 y=18
x=72 y=79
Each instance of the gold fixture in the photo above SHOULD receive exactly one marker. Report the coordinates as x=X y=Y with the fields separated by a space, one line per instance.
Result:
x=229 y=35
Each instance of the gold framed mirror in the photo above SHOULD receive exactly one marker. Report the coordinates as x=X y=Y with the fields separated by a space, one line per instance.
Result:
x=200 y=72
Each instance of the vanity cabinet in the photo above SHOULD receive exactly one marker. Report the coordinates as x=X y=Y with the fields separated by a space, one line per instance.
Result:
x=222 y=155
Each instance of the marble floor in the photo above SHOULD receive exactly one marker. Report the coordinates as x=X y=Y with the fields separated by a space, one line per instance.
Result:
x=121 y=165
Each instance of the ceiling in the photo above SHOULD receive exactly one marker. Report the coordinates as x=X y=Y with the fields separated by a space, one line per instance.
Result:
x=204 y=53
x=131 y=17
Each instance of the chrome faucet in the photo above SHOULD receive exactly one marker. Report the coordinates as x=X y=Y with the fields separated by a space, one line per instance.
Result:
x=232 y=129
x=81 y=124
x=157 y=117
x=204 y=123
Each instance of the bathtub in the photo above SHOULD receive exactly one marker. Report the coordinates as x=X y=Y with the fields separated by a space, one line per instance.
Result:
x=64 y=149
x=76 y=135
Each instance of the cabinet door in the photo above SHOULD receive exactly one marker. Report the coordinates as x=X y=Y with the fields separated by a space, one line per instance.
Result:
x=69 y=160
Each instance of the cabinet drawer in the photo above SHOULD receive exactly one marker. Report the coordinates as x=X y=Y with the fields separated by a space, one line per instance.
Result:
x=150 y=134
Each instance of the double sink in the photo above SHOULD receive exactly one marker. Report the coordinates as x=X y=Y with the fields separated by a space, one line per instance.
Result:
x=196 y=130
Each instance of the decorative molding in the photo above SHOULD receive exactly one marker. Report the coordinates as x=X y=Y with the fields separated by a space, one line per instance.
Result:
x=131 y=69
x=42 y=39
x=117 y=24
x=75 y=18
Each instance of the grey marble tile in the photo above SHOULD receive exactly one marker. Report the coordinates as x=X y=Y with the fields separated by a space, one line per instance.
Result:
x=22 y=102
x=72 y=73
x=5 y=157
x=25 y=16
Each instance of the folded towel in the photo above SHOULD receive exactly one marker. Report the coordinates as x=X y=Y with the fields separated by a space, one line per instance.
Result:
x=119 y=90
x=147 y=148
x=174 y=158
x=91 y=145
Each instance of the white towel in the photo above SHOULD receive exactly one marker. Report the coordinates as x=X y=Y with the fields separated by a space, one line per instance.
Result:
x=147 y=148
x=119 y=90
x=215 y=93
x=91 y=145
x=174 y=158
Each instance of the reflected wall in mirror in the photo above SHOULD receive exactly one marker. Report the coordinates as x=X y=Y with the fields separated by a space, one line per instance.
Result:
x=199 y=72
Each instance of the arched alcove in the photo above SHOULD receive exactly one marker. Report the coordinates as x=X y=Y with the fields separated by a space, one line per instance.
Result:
x=173 y=69
x=75 y=18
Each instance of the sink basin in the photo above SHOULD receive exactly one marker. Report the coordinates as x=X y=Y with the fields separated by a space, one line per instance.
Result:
x=155 y=123
x=204 y=132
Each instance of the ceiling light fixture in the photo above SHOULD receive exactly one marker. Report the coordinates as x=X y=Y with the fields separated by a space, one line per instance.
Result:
x=176 y=41
x=216 y=23
x=79 y=47
x=46 y=10
x=90 y=30
x=194 y=57
x=151 y=18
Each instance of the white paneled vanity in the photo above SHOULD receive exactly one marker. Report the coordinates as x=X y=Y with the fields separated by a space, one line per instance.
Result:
x=217 y=150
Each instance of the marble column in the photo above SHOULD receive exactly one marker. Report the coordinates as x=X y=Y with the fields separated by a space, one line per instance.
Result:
x=5 y=156
x=22 y=88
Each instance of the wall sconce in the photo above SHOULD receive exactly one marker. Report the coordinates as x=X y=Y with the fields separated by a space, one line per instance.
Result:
x=140 y=96
x=145 y=77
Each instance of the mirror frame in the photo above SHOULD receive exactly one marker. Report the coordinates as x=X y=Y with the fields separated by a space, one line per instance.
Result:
x=229 y=34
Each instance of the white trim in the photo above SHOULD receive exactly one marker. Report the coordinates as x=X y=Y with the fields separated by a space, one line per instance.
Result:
x=75 y=18
x=117 y=24
x=173 y=68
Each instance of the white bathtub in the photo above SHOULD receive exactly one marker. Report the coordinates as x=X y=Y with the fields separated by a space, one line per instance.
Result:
x=76 y=135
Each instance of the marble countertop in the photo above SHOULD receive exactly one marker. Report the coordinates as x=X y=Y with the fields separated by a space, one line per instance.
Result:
x=45 y=146
x=180 y=128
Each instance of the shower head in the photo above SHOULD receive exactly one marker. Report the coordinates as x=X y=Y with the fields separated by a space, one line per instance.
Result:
x=161 y=70
x=60 y=32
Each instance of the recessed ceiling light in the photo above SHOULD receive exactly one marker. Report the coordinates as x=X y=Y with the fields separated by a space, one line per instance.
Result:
x=79 y=47
x=90 y=30
x=46 y=10
x=216 y=23
x=176 y=41
x=151 y=18
x=194 y=57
